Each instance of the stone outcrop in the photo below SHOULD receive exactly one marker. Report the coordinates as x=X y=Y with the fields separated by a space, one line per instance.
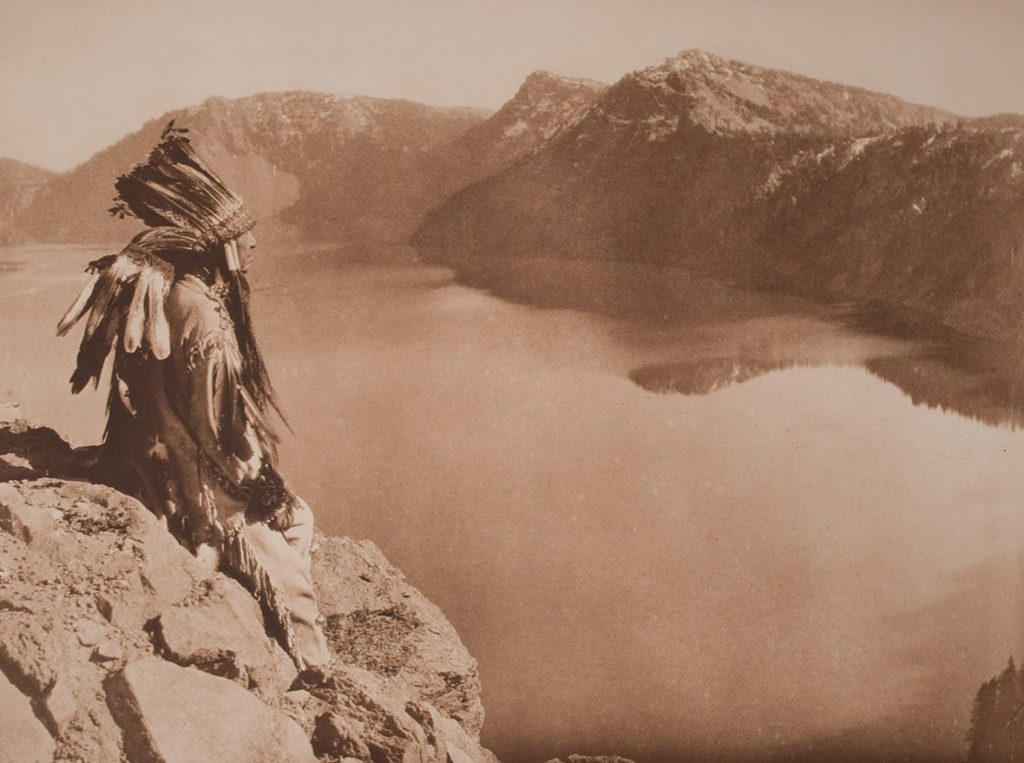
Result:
x=155 y=702
x=117 y=644
x=382 y=624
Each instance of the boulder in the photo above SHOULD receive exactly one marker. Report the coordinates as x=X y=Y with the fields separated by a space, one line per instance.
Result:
x=377 y=621
x=339 y=737
x=173 y=714
x=77 y=559
x=213 y=630
x=28 y=451
x=356 y=705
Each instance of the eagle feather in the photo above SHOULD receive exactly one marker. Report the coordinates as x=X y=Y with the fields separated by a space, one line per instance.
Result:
x=124 y=298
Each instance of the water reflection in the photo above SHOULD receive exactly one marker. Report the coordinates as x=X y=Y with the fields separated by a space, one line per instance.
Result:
x=936 y=367
x=988 y=393
x=702 y=377
x=984 y=388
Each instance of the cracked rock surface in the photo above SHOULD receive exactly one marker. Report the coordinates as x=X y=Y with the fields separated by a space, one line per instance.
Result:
x=116 y=644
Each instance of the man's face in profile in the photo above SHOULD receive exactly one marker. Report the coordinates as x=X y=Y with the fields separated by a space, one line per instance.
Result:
x=246 y=244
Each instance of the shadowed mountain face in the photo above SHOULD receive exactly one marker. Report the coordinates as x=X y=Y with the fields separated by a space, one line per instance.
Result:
x=19 y=182
x=930 y=218
x=731 y=169
x=543 y=107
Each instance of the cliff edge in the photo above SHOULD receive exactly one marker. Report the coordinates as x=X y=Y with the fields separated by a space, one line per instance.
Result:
x=116 y=644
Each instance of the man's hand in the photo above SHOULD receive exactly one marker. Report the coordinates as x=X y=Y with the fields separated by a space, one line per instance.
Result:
x=208 y=556
x=283 y=518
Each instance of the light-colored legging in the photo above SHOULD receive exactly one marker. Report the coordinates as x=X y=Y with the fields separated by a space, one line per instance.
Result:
x=284 y=554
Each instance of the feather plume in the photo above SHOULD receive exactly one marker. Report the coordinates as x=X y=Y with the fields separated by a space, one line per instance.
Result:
x=258 y=420
x=157 y=330
x=93 y=351
x=214 y=389
x=78 y=308
x=126 y=298
x=135 y=321
x=107 y=288
x=226 y=411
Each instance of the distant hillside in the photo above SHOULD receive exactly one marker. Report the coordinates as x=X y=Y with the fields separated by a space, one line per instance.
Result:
x=19 y=183
x=729 y=168
x=929 y=218
x=309 y=164
x=319 y=166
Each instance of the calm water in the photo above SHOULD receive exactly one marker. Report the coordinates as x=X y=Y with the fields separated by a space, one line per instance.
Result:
x=793 y=559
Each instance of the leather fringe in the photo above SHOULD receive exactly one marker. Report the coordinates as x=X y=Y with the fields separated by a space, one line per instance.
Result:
x=239 y=560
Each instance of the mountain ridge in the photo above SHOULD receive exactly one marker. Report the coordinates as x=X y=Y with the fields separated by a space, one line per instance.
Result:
x=289 y=152
x=697 y=160
x=320 y=166
x=887 y=200
x=735 y=95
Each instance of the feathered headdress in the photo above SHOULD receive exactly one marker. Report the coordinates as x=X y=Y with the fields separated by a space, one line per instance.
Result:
x=174 y=187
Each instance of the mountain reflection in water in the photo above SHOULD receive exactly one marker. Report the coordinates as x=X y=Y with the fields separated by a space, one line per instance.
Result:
x=941 y=378
x=936 y=367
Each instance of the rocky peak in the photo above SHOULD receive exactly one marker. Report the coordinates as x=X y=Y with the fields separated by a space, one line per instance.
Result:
x=695 y=59
x=544 y=81
x=544 y=105
x=723 y=96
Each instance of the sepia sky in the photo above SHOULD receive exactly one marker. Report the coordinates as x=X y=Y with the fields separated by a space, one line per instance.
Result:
x=76 y=75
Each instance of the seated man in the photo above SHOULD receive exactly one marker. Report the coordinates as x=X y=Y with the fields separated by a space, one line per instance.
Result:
x=188 y=428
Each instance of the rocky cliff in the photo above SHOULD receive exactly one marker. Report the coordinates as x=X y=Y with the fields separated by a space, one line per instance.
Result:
x=116 y=644
x=728 y=168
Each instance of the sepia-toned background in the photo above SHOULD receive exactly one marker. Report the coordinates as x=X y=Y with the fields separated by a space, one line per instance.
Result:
x=687 y=387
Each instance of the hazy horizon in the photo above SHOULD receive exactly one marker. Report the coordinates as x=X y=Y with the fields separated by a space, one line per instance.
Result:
x=108 y=67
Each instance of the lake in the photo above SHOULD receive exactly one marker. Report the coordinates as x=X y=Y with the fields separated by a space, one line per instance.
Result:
x=672 y=519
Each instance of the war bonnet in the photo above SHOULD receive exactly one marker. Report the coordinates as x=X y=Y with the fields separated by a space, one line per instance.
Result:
x=176 y=188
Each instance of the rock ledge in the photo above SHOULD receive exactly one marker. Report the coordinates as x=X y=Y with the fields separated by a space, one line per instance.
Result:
x=116 y=644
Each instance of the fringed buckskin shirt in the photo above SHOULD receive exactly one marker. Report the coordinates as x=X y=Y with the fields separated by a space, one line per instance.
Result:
x=170 y=420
